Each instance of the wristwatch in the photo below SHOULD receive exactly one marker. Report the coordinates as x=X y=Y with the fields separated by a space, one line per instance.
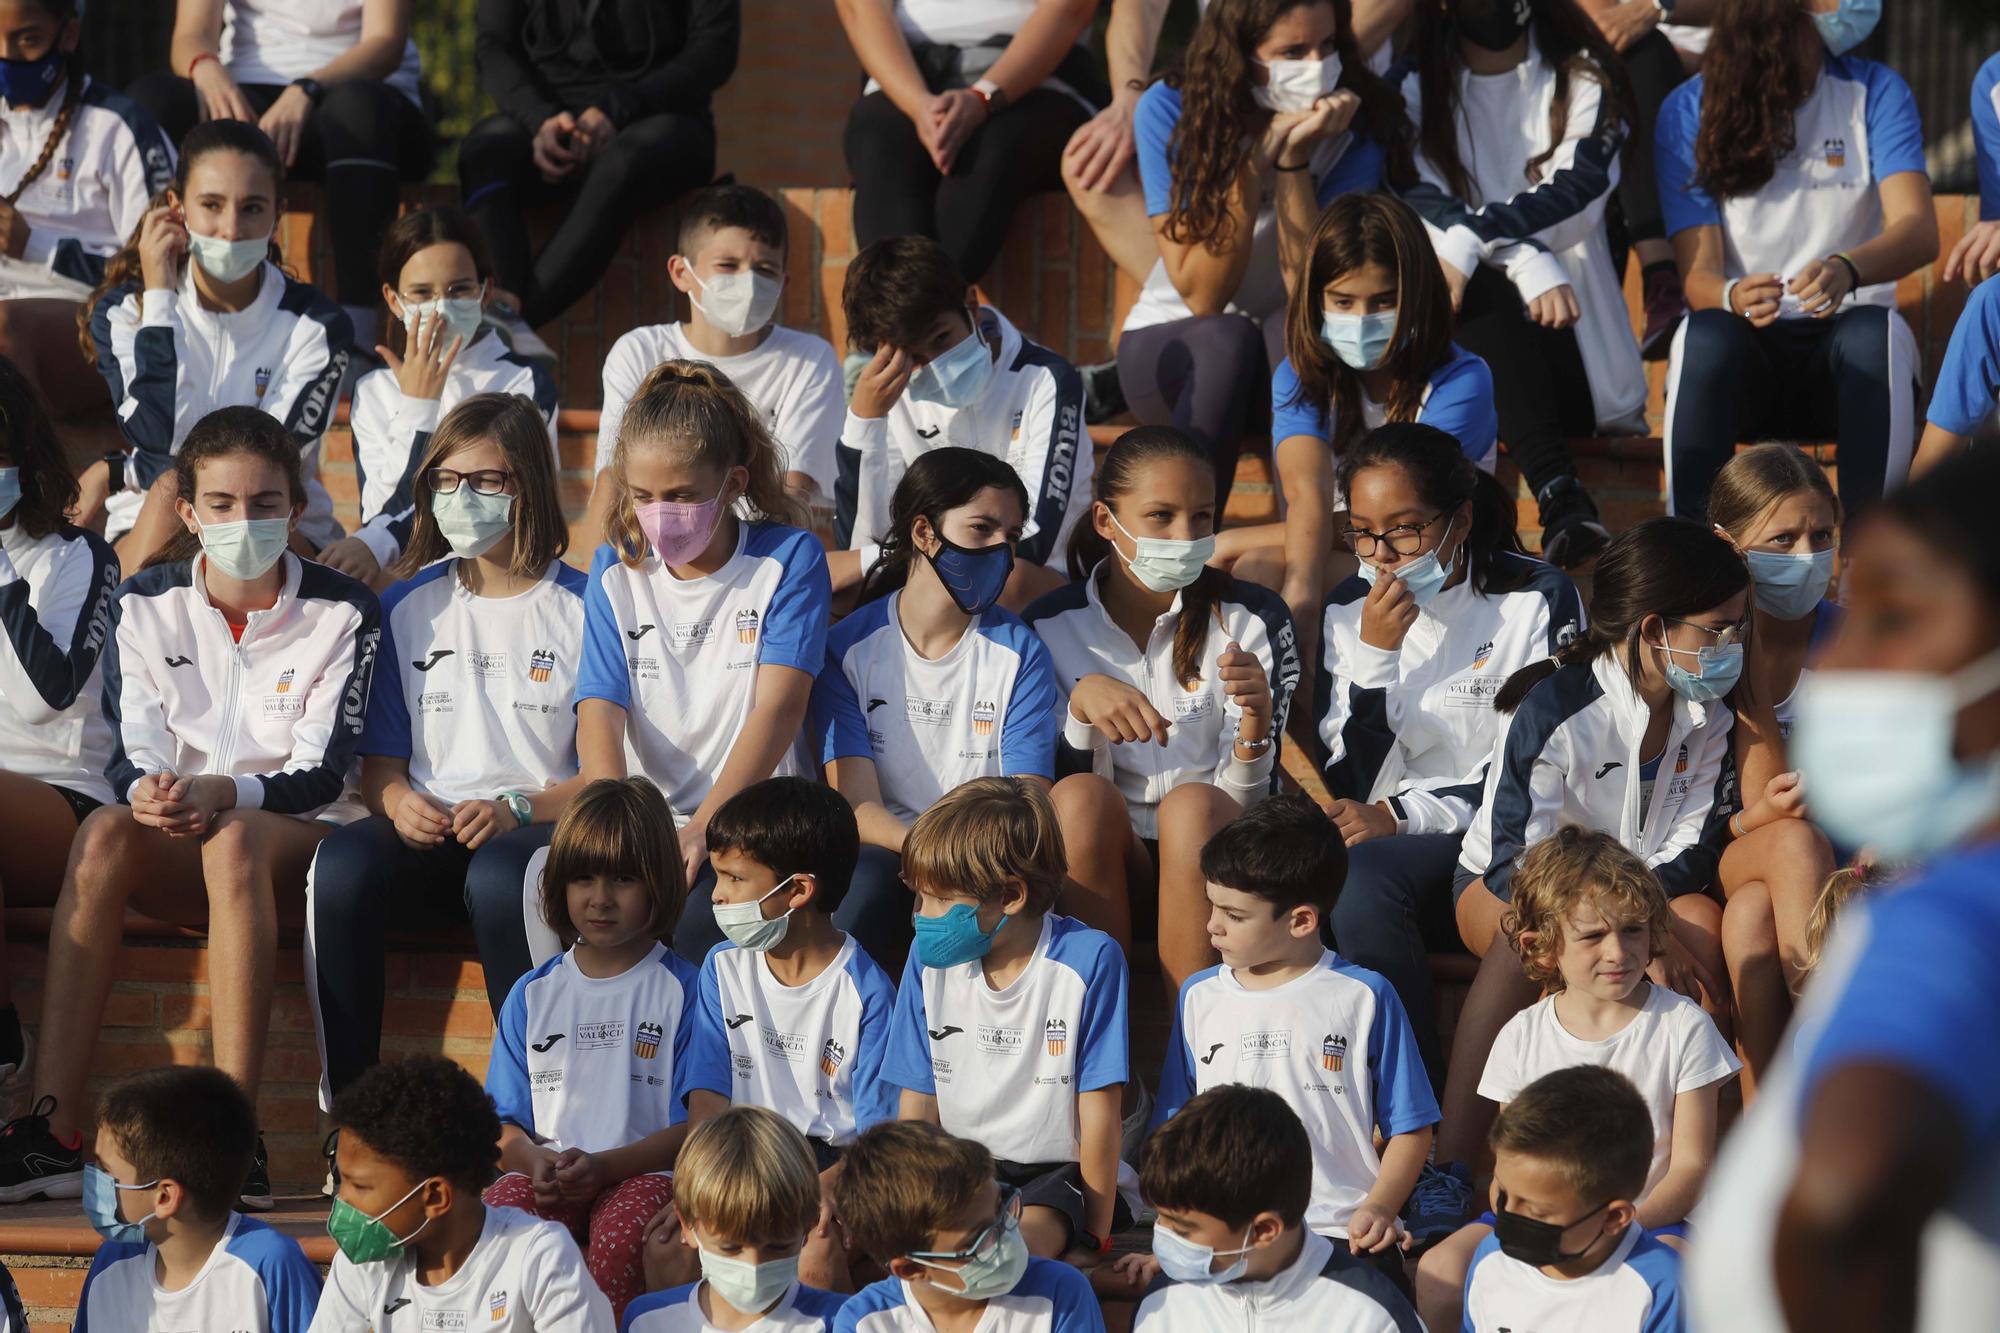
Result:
x=1096 y=1245
x=992 y=94
x=311 y=87
x=114 y=466
x=517 y=806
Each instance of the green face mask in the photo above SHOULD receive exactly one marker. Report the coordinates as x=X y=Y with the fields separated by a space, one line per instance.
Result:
x=367 y=1240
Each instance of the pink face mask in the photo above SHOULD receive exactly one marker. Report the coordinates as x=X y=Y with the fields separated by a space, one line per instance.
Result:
x=680 y=532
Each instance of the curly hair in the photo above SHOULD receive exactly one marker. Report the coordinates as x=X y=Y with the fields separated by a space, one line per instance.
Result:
x=1568 y=40
x=1218 y=112
x=1752 y=86
x=1568 y=869
x=427 y=1116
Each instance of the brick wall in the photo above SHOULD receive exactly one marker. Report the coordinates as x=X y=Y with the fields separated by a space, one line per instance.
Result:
x=779 y=119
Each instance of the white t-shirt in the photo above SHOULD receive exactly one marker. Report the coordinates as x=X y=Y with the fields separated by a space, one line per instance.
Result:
x=801 y=1309
x=1671 y=1046
x=276 y=41
x=1006 y=1065
x=792 y=378
x=475 y=692
x=1325 y=1290
x=811 y=1053
x=1051 y=1297
x=255 y=1278
x=1635 y=1290
x=524 y=1276
x=569 y=1045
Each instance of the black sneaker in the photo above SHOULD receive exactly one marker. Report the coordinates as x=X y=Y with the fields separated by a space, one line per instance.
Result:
x=1572 y=533
x=1103 y=394
x=33 y=1165
x=256 y=1196
x=330 y=1150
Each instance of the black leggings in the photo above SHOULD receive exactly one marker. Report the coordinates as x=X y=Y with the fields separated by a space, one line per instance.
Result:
x=1540 y=390
x=898 y=191
x=1207 y=375
x=362 y=140
x=1654 y=68
x=649 y=163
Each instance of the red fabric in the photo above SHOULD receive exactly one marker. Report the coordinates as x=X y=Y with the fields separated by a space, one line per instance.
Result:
x=235 y=630
x=611 y=1228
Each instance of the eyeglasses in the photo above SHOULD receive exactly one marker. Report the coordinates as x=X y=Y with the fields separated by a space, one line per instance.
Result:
x=493 y=481
x=1403 y=539
x=1008 y=1218
x=1725 y=636
x=458 y=291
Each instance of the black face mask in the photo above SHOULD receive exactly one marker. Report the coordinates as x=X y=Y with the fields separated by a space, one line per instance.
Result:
x=1536 y=1243
x=1493 y=25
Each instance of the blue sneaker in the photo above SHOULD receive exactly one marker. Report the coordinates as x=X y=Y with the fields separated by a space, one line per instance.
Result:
x=1440 y=1204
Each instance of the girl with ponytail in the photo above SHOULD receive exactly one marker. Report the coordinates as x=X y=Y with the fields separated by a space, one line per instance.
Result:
x=1412 y=649
x=706 y=614
x=1183 y=677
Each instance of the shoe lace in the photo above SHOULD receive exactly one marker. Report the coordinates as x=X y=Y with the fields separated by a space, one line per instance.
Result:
x=1437 y=1191
x=38 y=1114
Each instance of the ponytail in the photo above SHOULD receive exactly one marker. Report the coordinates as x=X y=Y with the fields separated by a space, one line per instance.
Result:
x=938 y=482
x=1444 y=478
x=694 y=408
x=1668 y=567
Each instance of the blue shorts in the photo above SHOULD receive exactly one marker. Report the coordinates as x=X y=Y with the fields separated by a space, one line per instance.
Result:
x=1678 y=1230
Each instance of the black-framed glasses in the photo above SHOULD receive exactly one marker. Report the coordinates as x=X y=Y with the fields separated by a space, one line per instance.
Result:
x=492 y=481
x=1725 y=636
x=1007 y=1218
x=1403 y=539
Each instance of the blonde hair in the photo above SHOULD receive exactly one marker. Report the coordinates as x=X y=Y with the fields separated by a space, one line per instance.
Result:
x=1842 y=887
x=747 y=1175
x=693 y=407
x=1569 y=868
x=620 y=827
x=903 y=1182
x=1757 y=478
x=516 y=425
x=984 y=833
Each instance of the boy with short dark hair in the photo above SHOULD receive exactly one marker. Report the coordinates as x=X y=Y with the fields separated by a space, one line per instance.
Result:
x=1223 y=1177
x=1570 y=1154
x=731 y=265
x=1285 y=1012
x=926 y=1207
x=945 y=370
x=173 y=1147
x=1010 y=1021
x=419 y=1249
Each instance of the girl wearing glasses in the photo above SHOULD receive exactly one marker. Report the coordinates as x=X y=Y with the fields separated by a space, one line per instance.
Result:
x=1413 y=648
x=1624 y=730
x=1777 y=507
x=469 y=753
x=438 y=351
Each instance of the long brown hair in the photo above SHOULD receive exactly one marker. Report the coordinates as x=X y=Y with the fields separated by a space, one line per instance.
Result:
x=694 y=408
x=1118 y=475
x=517 y=426
x=1357 y=230
x=621 y=827
x=1757 y=478
x=412 y=234
x=1218 y=111
x=1567 y=39
x=211 y=136
x=223 y=432
x=1752 y=86
x=48 y=491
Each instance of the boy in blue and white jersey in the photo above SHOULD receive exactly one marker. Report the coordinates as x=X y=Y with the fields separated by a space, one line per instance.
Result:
x=926 y=1206
x=1284 y=1012
x=173 y=1147
x=1569 y=1156
x=1010 y=1022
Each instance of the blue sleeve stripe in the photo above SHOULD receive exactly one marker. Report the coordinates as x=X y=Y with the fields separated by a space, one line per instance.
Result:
x=60 y=673
x=846 y=493
x=1058 y=452
x=1553 y=702
x=1562 y=195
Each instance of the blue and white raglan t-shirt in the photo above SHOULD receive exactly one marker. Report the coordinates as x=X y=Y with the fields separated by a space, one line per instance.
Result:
x=1637 y=1289
x=1457 y=399
x=811 y=1053
x=1858 y=127
x=680 y=656
x=987 y=708
x=256 y=1280
x=595 y=1062
x=1007 y=1065
x=1334 y=1042
x=1968 y=383
x=1986 y=136
x=1051 y=1297
x=801 y=1309
x=475 y=692
x=1346 y=163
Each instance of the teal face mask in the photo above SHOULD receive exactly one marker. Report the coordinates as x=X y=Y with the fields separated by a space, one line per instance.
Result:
x=1848 y=26
x=1720 y=667
x=955 y=937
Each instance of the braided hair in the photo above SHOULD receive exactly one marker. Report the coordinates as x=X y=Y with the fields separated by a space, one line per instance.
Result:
x=72 y=98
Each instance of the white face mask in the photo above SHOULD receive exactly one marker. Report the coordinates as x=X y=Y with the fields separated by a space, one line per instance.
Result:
x=749 y=1288
x=462 y=315
x=470 y=522
x=736 y=303
x=226 y=261
x=1294 y=85
x=1164 y=564
x=746 y=928
x=245 y=549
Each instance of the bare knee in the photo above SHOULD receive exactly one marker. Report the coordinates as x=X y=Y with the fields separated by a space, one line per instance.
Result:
x=235 y=855
x=1194 y=810
x=1749 y=931
x=1085 y=800
x=108 y=842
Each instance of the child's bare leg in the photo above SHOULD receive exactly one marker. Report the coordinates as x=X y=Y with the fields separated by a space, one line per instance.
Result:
x=1499 y=991
x=1097 y=831
x=1756 y=980
x=1189 y=817
x=1440 y=1284
x=155 y=526
x=1046 y=1231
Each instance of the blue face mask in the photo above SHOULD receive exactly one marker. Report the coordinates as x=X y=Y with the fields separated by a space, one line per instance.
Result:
x=10 y=489
x=957 y=377
x=1849 y=26
x=1184 y=1261
x=973 y=575
x=955 y=937
x=1424 y=576
x=100 y=1205
x=1789 y=586
x=1719 y=669
x=1362 y=341
x=29 y=82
